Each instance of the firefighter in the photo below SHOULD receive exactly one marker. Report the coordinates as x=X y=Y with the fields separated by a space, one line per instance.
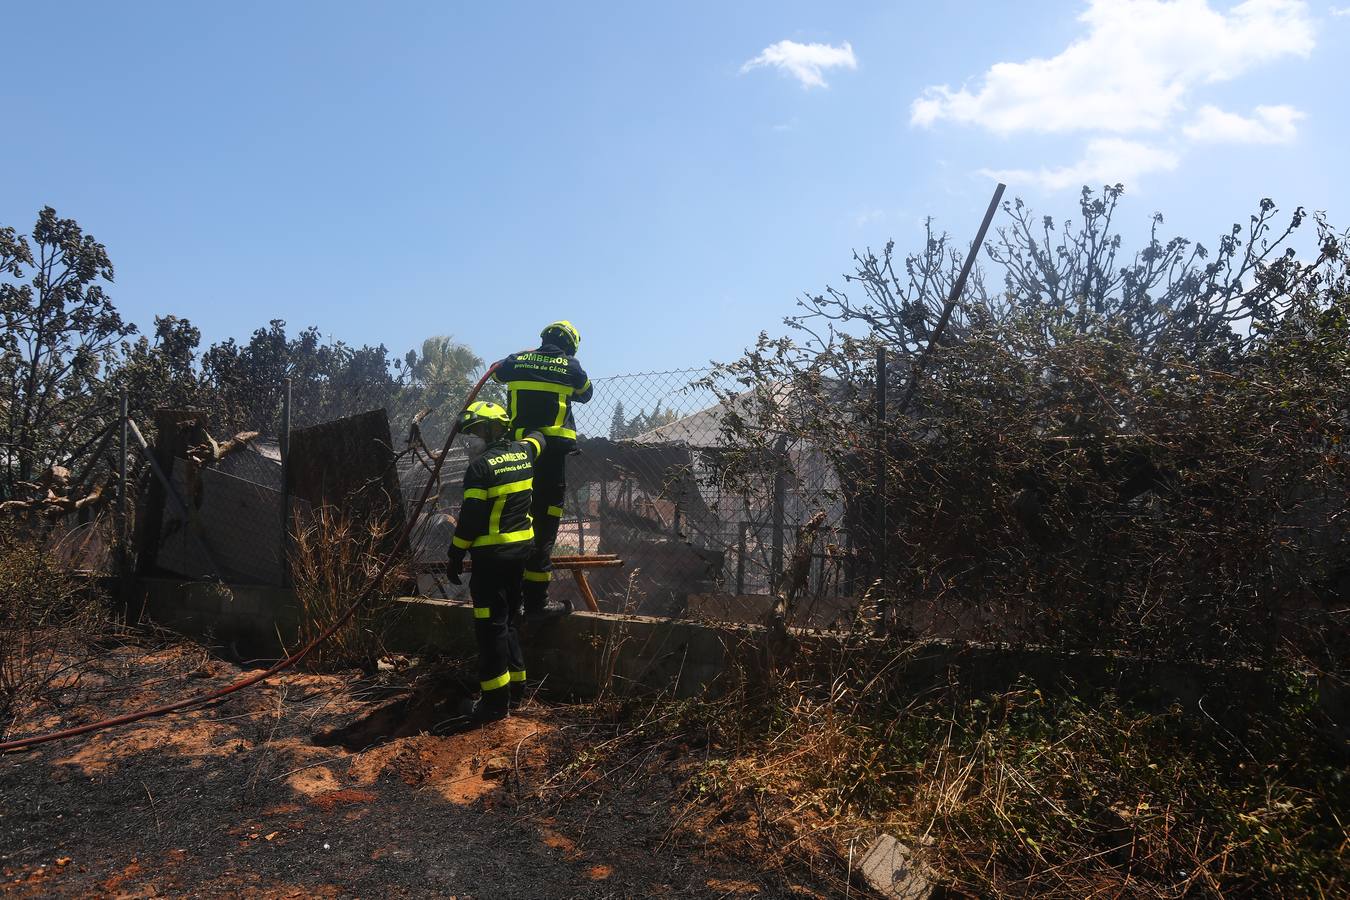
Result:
x=542 y=385
x=494 y=525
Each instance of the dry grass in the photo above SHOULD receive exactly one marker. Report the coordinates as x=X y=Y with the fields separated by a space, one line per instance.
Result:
x=1015 y=793
x=335 y=558
x=1065 y=797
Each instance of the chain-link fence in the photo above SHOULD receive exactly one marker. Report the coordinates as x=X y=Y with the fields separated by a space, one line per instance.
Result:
x=700 y=482
x=647 y=485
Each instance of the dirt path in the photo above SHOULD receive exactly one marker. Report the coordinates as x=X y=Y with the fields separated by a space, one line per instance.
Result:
x=239 y=800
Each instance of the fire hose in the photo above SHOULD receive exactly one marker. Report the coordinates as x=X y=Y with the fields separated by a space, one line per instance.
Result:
x=404 y=537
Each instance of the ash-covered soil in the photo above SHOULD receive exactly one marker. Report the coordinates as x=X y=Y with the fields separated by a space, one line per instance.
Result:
x=320 y=786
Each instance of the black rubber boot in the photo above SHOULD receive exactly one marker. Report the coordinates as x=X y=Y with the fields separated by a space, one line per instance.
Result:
x=534 y=595
x=549 y=609
x=492 y=706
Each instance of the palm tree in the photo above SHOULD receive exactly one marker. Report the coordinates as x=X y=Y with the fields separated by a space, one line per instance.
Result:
x=439 y=378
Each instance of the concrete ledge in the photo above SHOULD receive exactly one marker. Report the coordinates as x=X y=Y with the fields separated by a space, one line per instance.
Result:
x=245 y=617
x=587 y=654
x=584 y=653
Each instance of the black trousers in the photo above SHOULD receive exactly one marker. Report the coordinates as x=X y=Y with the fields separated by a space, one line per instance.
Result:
x=494 y=586
x=546 y=508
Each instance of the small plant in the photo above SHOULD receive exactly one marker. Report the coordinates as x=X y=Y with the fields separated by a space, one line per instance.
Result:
x=335 y=558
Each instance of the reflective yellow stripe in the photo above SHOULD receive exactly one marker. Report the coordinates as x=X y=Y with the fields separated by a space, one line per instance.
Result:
x=500 y=681
x=555 y=511
x=548 y=386
x=475 y=494
x=460 y=543
x=555 y=431
x=495 y=520
x=585 y=387
x=509 y=537
x=501 y=492
x=538 y=576
x=514 y=487
x=537 y=449
x=518 y=676
x=482 y=612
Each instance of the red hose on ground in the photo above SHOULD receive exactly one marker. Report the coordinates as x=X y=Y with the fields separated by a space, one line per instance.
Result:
x=288 y=662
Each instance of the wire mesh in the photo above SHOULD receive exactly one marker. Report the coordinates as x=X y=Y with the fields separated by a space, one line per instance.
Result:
x=645 y=485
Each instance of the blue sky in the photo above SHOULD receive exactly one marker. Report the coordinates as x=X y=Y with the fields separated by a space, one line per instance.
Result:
x=670 y=177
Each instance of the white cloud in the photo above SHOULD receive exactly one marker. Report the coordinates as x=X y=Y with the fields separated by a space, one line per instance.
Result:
x=805 y=62
x=1106 y=160
x=1268 y=125
x=1340 y=11
x=1133 y=71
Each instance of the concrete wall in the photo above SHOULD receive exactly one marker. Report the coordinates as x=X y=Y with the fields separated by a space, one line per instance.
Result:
x=247 y=621
x=584 y=653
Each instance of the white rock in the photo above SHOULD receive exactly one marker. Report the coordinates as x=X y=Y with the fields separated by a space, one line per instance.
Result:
x=891 y=869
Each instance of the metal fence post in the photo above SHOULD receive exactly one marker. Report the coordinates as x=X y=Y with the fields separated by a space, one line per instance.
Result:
x=882 y=547
x=122 y=555
x=284 y=443
x=581 y=517
x=740 y=560
x=779 y=502
x=850 y=565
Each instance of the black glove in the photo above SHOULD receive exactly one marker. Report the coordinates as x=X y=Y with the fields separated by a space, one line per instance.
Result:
x=455 y=565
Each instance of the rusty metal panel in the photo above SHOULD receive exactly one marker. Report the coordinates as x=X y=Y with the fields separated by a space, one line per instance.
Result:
x=348 y=463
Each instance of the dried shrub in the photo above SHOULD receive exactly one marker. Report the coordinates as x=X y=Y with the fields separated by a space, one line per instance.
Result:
x=1066 y=797
x=1162 y=473
x=1144 y=458
x=48 y=620
x=1004 y=792
x=336 y=557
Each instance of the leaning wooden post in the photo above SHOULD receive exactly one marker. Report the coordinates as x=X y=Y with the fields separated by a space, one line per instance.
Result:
x=918 y=366
x=957 y=287
x=190 y=523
